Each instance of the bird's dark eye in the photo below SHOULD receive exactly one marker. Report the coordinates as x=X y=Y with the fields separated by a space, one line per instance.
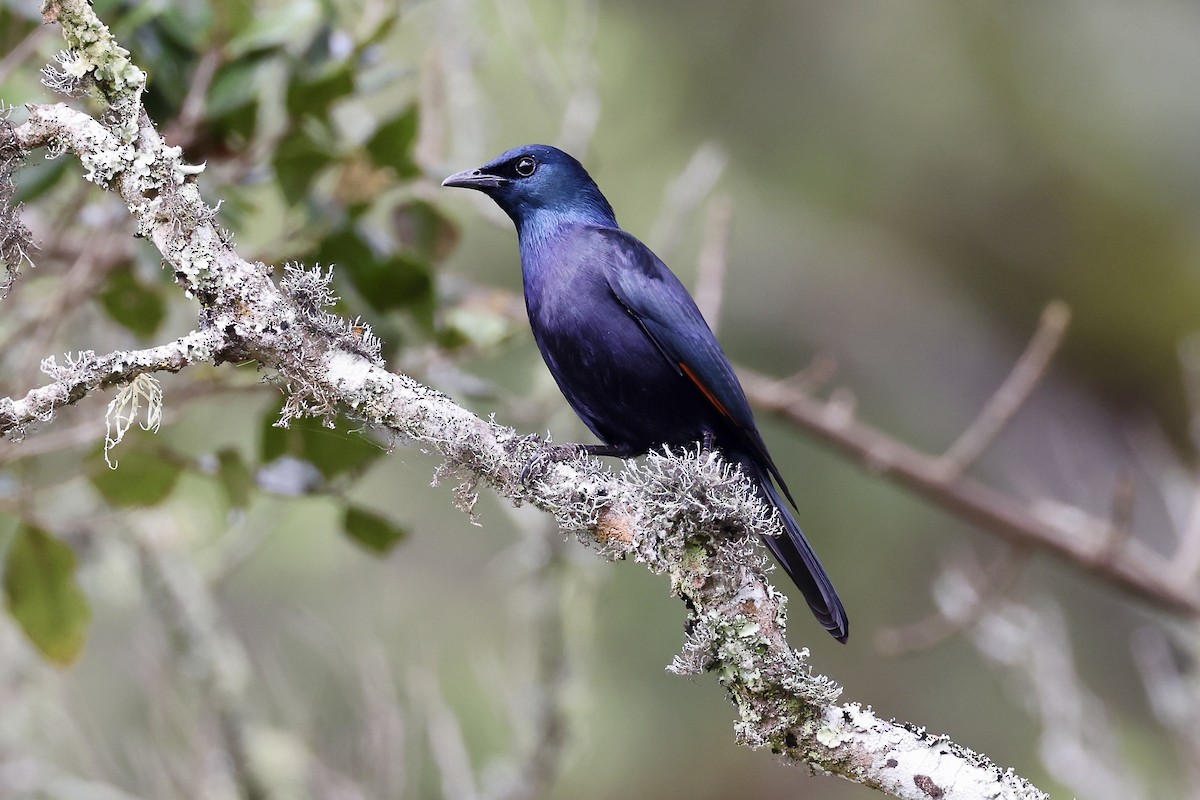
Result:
x=525 y=166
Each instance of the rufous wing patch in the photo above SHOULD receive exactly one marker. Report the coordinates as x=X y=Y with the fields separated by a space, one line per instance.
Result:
x=712 y=398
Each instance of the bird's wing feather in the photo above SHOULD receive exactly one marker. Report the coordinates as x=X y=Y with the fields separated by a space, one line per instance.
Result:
x=652 y=294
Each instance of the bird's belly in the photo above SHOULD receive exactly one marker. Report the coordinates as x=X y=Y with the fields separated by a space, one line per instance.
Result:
x=622 y=386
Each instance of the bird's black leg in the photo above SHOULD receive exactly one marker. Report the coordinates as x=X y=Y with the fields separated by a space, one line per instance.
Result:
x=552 y=453
x=707 y=441
x=616 y=451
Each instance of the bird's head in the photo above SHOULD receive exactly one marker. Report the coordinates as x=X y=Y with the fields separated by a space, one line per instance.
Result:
x=536 y=180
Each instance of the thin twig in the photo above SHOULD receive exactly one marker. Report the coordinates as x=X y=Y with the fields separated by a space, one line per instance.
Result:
x=975 y=590
x=385 y=736
x=1185 y=563
x=183 y=129
x=210 y=651
x=1136 y=569
x=1078 y=742
x=1174 y=695
x=1012 y=394
x=540 y=713
x=446 y=743
x=711 y=266
x=85 y=372
x=95 y=261
x=1116 y=538
x=581 y=108
x=541 y=68
x=24 y=49
x=685 y=194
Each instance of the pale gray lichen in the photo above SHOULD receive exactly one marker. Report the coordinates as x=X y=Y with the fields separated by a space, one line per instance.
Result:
x=311 y=292
x=180 y=170
x=67 y=78
x=692 y=493
x=65 y=373
x=15 y=239
x=93 y=50
x=102 y=162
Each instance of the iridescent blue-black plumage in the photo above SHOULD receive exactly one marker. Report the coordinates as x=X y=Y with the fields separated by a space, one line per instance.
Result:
x=627 y=345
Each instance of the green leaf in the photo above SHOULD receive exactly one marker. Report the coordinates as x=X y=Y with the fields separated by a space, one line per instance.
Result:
x=38 y=177
x=297 y=161
x=229 y=16
x=142 y=478
x=185 y=25
x=407 y=282
x=235 y=477
x=392 y=144
x=385 y=26
x=375 y=533
x=386 y=282
x=234 y=87
x=171 y=47
x=41 y=594
x=314 y=97
x=423 y=230
x=134 y=305
x=290 y=25
x=333 y=452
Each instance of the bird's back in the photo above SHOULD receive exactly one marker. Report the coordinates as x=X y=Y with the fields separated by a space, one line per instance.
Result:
x=615 y=376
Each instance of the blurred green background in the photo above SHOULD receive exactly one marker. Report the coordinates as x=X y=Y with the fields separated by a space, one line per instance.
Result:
x=910 y=184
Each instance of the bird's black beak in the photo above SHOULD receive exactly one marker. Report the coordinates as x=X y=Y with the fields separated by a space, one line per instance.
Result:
x=475 y=179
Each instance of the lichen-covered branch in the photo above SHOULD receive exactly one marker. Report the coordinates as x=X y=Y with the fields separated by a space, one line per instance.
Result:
x=687 y=515
x=83 y=373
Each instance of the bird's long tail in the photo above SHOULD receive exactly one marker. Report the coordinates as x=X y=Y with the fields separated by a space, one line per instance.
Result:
x=798 y=560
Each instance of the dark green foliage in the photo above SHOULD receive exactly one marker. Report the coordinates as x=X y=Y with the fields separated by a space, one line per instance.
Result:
x=40 y=176
x=232 y=102
x=384 y=282
x=144 y=476
x=41 y=594
x=289 y=27
x=392 y=143
x=134 y=305
x=235 y=477
x=297 y=161
x=424 y=231
x=375 y=533
x=255 y=94
x=335 y=452
x=314 y=97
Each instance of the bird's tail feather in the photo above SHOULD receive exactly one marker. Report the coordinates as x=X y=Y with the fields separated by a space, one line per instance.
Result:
x=798 y=560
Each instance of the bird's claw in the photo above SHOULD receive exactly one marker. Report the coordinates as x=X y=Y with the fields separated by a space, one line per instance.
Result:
x=544 y=457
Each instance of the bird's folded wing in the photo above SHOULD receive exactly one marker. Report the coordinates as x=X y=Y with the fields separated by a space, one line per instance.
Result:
x=652 y=294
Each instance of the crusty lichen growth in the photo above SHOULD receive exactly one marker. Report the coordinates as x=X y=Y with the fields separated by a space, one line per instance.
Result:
x=693 y=516
x=311 y=292
x=905 y=761
x=15 y=241
x=85 y=372
x=94 y=57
